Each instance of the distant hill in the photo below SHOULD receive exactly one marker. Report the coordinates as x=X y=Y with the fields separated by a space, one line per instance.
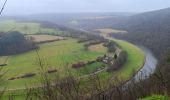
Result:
x=86 y=21
x=151 y=29
x=154 y=21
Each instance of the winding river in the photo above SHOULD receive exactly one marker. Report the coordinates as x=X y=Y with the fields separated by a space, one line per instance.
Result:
x=149 y=66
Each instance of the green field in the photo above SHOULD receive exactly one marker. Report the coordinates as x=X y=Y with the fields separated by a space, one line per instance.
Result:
x=60 y=55
x=156 y=97
x=135 y=61
x=26 y=27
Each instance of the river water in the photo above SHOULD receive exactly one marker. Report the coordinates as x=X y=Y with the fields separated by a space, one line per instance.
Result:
x=149 y=66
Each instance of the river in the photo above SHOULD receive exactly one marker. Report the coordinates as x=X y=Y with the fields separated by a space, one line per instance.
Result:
x=149 y=66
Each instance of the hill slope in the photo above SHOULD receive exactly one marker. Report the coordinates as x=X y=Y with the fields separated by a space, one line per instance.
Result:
x=151 y=29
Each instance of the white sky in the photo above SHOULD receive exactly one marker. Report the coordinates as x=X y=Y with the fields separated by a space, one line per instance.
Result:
x=22 y=7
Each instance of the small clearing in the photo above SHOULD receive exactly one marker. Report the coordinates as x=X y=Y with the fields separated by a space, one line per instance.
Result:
x=98 y=48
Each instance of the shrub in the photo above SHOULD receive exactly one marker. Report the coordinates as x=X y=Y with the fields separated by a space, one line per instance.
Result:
x=90 y=62
x=78 y=65
x=2 y=65
x=51 y=71
x=111 y=46
x=13 y=78
x=27 y=75
x=119 y=61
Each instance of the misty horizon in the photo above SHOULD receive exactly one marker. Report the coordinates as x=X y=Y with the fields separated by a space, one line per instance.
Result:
x=29 y=7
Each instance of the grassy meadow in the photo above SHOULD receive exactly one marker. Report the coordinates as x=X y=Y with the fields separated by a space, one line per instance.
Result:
x=58 y=55
x=98 y=48
x=26 y=27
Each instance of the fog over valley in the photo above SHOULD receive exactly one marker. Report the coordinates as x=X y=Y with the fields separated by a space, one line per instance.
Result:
x=84 y=50
x=25 y=7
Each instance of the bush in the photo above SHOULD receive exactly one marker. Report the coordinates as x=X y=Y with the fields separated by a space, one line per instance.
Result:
x=51 y=71
x=13 y=78
x=2 y=65
x=111 y=46
x=93 y=43
x=119 y=61
x=28 y=75
x=78 y=65
x=90 y=62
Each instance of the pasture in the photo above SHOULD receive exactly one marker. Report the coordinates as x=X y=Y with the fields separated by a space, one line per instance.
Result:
x=26 y=27
x=134 y=63
x=59 y=55
x=98 y=48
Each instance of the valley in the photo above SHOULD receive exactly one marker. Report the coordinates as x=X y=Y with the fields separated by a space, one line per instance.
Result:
x=59 y=57
x=84 y=50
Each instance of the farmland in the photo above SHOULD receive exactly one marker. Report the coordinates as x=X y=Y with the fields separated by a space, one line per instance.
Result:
x=58 y=55
x=26 y=27
x=69 y=52
x=56 y=58
x=98 y=48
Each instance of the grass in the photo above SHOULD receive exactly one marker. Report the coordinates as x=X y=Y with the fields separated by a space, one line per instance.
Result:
x=90 y=68
x=57 y=55
x=98 y=48
x=156 y=97
x=61 y=55
x=26 y=27
x=134 y=62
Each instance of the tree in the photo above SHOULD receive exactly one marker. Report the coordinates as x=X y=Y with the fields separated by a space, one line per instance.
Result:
x=15 y=42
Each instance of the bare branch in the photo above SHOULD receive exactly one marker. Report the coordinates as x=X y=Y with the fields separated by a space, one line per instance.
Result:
x=3 y=6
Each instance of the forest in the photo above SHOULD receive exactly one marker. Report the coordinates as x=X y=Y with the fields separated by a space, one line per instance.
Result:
x=15 y=43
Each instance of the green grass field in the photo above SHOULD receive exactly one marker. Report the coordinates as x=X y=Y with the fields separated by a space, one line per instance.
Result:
x=60 y=55
x=67 y=53
x=156 y=97
x=26 y=27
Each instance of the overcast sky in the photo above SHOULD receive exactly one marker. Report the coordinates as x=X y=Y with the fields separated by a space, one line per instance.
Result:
x=24 y=7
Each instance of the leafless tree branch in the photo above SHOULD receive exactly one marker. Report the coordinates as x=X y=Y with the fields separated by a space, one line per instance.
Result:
x=3 y=7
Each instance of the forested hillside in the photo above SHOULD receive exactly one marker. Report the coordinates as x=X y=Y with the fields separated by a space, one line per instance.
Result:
x=151 y=29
